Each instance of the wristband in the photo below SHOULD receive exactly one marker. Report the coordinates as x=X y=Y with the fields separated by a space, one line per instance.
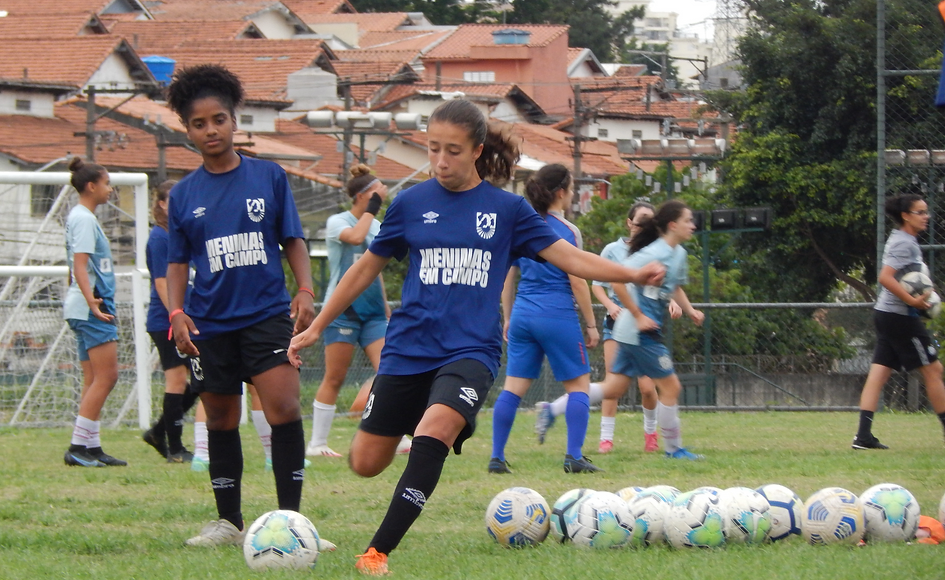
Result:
x=170 y=317
x=308 y=291
x=374 y=204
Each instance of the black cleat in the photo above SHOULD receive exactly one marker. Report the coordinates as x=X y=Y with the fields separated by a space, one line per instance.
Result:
x=105 y=458
x=582 y=465
x=79 y=456
x=182 y=456
x=497 y=465
x=159 y=444
x=872 y=443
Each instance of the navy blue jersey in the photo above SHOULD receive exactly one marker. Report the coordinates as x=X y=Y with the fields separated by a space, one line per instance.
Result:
x=545 y=289
x=460 y=247
x=156 y=255
x=230 y=226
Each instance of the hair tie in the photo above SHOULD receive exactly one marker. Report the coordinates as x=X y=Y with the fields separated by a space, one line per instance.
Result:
x=368 y=186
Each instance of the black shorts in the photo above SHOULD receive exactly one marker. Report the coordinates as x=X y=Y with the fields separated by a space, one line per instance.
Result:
x=167 y=350
x=228 y=360
x=902 y=342
x=398 y=402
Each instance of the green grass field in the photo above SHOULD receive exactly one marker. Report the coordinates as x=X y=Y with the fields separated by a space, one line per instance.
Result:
x=121 y=523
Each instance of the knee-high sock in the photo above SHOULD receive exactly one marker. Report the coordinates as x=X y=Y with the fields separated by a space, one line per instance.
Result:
x=264 y=431
x=174 y=421
x=226 y=473
x=595 y=395
x=288 y=463
x=607 y=428
x=322 y=416
x=200 y=441
x=83 y=430
x=415 y=487
x=865 y=432
x=649 y=420
x=668 y=417
x=190 y=398
x=503 y=416
x=576 y=417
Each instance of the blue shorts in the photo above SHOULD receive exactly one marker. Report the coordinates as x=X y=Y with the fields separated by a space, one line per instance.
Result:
x=647 y=359
x=91 y=333
x=532 y=337
x=361 y=334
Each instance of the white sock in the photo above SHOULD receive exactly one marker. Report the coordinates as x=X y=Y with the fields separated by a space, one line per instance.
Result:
x=264 y=431
x=649 y=421
x=607 y=428
x=200 y=441
x=83 y=431
x=595 y=394
x=559 y=405
x=322 y=416
x=669 y=424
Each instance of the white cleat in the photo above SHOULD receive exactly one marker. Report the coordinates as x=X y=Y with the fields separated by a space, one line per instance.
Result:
x=218 y=533
x=403 y=448
x=320 y=451
x=326 y=546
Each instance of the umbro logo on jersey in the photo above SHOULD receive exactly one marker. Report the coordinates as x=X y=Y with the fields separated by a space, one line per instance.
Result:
x=222 y=483
x=200 y=212
x=485 y=224
x=256 y=208
x=430 y=217
x=414 y=496
x=469 y=395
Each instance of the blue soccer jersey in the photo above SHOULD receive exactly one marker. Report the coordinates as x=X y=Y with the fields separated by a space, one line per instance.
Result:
x=615 y=252
x=370 y=304
x=84 y=235
x=460 y=247
x=156 y=256
x=544 y=289
x=230 y=226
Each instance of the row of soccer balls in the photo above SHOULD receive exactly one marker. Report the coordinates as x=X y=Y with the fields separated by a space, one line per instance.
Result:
x=706 y=517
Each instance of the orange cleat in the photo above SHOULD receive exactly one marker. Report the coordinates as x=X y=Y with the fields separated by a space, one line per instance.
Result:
x=372 y=563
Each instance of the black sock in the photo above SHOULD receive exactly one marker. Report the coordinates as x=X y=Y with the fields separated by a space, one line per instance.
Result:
x=158 y=428
x=173 y=421
x=288 y=463
x=415 y=487
x=865 y=433
x=190 y=397
x=941 y=418
x=226 y=472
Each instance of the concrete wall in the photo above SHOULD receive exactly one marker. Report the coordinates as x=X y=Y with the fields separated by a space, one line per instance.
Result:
x=824 y=390
x=41 y=104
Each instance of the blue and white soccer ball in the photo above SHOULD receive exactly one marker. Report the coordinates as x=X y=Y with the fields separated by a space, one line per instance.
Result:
x=833 y=516
x=518 y=517
x=281 y=539
x=786 y=511
x=891 y=513
x=648 y=509
x=630 y=492
x=746 y=516
x=694 y=520
x=603 y=521
x=563 y=518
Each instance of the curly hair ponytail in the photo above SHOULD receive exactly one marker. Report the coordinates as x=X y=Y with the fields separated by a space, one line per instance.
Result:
x=500 y=151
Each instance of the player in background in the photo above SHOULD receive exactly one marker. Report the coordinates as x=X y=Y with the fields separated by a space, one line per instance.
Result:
x=542 y=321
x=902 y=341
x=89 y=308
x=348 y=235
x=443 y=345
x=607 y=393
x=229 y=217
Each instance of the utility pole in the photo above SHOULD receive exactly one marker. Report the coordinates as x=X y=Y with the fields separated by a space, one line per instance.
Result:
x=579 y=112
x=90 y=125
x=348 y=134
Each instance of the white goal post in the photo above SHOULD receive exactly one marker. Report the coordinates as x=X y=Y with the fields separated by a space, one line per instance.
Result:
x=140 y=277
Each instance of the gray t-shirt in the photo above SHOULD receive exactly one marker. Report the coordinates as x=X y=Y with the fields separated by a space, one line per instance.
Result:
x=901 y=250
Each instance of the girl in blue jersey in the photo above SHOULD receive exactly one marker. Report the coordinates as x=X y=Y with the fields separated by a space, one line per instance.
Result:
x=442 y=349
x=89 y=308
x=902 y=341
x=229 y=218
x=641 y=351
x=348 y=235
x=165 y=434
x=543 y=321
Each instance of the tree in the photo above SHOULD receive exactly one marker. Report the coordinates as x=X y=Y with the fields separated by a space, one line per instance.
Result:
x=652 y=62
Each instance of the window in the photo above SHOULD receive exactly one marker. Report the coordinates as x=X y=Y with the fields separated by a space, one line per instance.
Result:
x=602 y=132
x=246 y=119
x=23 y=104
x=479 y=76
x=42 y=198
x=637 y=134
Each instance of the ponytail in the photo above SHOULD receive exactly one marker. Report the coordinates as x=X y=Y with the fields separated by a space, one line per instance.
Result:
x=542 y=188
x=899 y=204
x=161 y=193
x=500 y=151
x=652 y=228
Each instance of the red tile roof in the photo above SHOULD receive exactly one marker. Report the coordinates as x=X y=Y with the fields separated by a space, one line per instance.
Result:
x=494 y=91
x=549 y=145
x=151 y=36
x=630 y=70
x=309 y=7
x=214 y=10
x=376 y=55
x=368 y=78
x=367 y=22
x=57 y=7
x=67 y=60
x=420 y=41
x=468 y=35
x=47 y=25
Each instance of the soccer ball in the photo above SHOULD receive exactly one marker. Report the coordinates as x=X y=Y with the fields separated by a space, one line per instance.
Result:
x=667 y=492
x=281 y=539
x=695 y=521
x=648 y=509
x=708 y=489
x=746 y=515
x=915 y=282
x=628 y=493
x=833 y=515
x=603 y=521
x=891 y=513
x=935 y=306
x=518 y=517
x=563 y=518
x=941 y=510
x=786 y=508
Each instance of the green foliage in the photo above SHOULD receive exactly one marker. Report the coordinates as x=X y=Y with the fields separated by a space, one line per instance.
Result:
x=652 y=62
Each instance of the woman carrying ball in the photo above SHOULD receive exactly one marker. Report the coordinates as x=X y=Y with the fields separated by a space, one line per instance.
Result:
x=443 y=344
x=89 y=308
x=902 y=341
x=229 y=218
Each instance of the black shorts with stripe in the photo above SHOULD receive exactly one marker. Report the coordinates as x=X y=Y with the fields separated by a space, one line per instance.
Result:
x=902 y=342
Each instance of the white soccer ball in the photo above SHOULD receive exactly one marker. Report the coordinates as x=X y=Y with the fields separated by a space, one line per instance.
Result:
x=746 y=515
x=833 y=515
x=667 y=492
x=603 y=521
x=518 y=517
x=941 y=511
x=695 y=521
x=648 y=509
x=891 y=513
x=281 y=539
x=915 y=283
x=935 y=306
x=563 y=518
x=628 y=493
x=786 y=508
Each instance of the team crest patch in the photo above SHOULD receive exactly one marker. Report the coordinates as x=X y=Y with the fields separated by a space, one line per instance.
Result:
x=666 y=363
x=256 y=208
x=485 y=224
